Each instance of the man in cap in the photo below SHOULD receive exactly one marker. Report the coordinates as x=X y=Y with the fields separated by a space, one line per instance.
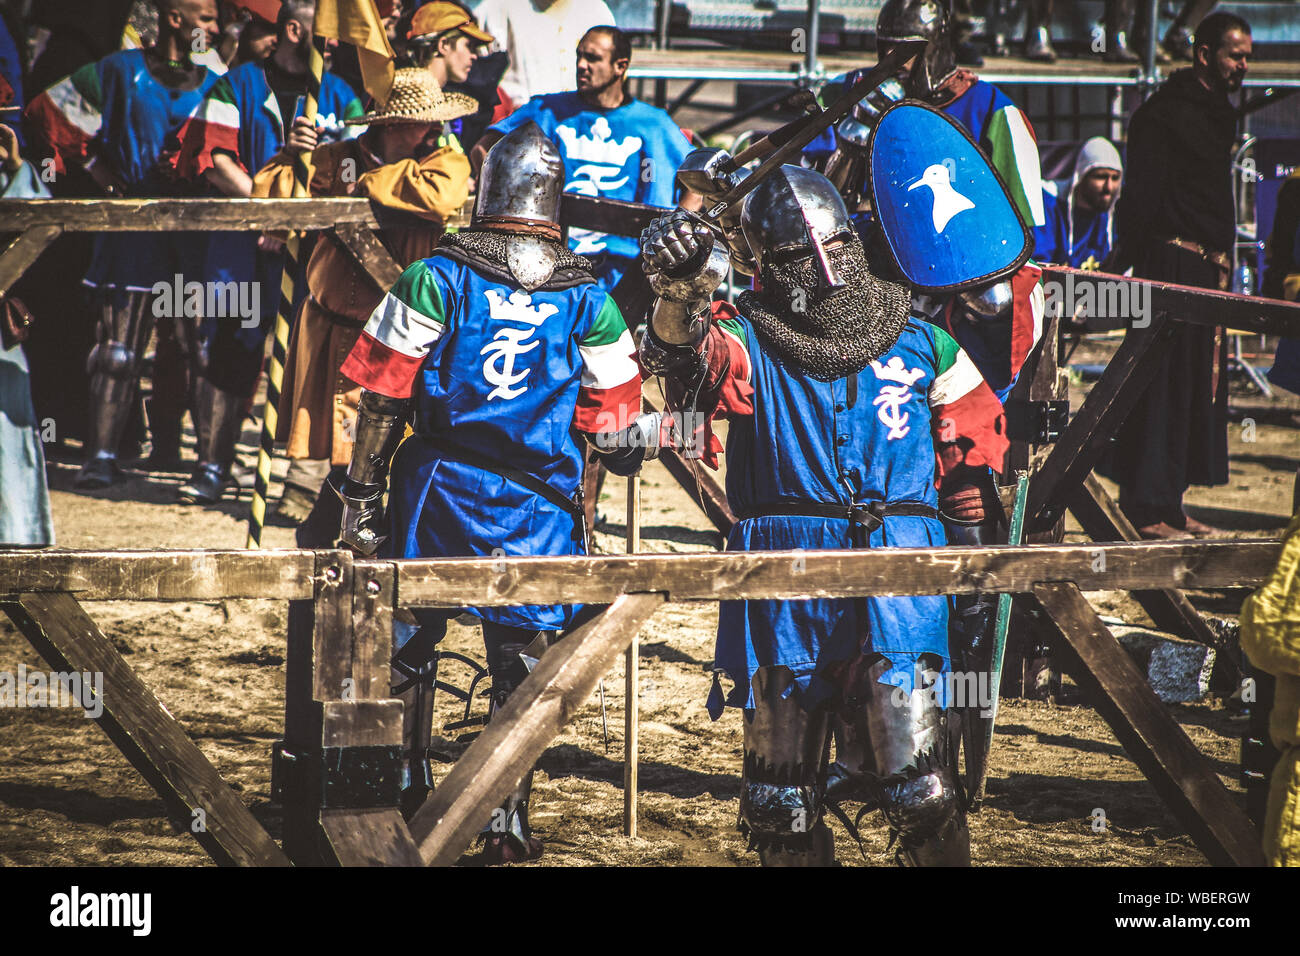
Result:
x=508 y=351
x=1177 y=223
x=1080 y=229
x=318 y=410
x=887 y=409
x=445 y=40
x=613 y=145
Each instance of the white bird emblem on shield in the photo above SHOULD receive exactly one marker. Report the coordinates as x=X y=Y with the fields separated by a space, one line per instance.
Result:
x=947 y=201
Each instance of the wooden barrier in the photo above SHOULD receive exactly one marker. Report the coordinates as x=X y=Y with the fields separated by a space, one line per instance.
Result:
x=334 y=771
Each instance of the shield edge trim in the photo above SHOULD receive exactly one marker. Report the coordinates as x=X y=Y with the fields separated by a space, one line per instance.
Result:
x=1026 y=250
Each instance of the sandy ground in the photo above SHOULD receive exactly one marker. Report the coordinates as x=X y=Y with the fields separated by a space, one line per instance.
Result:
x=67 y=796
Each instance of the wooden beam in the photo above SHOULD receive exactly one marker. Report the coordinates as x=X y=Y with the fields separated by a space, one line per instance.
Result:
x=796 y=575
x=1185 y=303
x=702 y=487
x=1106 y=406
x=184 y=215
x=23 y=251
x=161 y=575
x=370 y=254
x=146 y=733
x=539 y=708
x=1100 y=518
x=1152 y=738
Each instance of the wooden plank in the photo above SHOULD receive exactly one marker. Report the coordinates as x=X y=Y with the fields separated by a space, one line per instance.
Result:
x=614 y=216
x=1152 y=738
x=1185 y=303
x=374 y=588
x=370 y=254
x=184 y=215
x=1100 y=518
x=161 y=575
x=538 y=709
x=1106 y=406
x=376 y=837
x=794 y=575
x=23 y=251
x=148 y=736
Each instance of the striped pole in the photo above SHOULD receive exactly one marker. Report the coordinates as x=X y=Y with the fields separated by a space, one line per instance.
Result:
x=280 y=342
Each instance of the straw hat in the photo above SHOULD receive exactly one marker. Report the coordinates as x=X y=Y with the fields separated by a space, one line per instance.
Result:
x=417 y=98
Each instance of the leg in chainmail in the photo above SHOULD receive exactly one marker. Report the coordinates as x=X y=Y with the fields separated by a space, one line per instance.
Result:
x=782 y=794
x=896 y=752
x=122 y=333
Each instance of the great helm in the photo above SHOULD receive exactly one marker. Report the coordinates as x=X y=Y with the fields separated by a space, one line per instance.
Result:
x=794 y=213
x=519 y=191
x=919 y=22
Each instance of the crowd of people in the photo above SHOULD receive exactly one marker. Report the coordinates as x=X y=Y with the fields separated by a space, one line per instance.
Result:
x=511 y=353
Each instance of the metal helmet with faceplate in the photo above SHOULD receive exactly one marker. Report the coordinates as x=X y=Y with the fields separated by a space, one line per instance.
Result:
x=917 y=22
x=793 y=213
x=519 y=190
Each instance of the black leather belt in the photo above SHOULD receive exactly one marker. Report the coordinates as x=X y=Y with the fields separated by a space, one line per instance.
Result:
x=867 y=516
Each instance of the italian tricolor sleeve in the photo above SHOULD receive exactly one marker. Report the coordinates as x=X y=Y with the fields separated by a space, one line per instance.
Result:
x=609 y=397
x=1014 y=153
x=397 y=339
x=69 y=115
x=213 y=128
x=966 y=417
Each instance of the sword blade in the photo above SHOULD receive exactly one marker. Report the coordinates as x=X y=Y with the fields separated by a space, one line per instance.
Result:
x=883 y=70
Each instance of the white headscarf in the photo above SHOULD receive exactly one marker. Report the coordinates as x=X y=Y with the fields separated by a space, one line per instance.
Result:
x=1096 y=153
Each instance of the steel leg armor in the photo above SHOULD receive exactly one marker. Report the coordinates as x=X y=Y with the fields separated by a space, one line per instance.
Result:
x=122 y=334
x=782 y=793
x=414 y=671
x=509 y=837
x=901 y=759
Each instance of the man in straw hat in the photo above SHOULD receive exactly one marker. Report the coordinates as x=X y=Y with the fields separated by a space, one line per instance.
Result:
x=508 y=351
x=319 y=410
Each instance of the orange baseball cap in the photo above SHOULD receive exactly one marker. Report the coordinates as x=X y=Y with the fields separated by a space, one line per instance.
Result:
x=268 y=10
x=437 y=18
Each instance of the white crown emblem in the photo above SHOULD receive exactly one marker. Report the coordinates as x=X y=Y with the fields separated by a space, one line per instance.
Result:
x=519 y=308
x=598 y=147
x=895 y=371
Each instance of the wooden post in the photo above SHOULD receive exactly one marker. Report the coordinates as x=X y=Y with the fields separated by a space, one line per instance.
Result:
x=519 y=732
x=146 y=732
x=631 y=675
x=1153 y=739
x=23 y=251
x=337 y=704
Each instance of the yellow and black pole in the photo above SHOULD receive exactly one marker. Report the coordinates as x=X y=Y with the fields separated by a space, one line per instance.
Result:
x=284 y=315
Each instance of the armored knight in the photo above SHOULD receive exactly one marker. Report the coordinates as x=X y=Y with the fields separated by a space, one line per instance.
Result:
x=504 y=350
x=844 y=408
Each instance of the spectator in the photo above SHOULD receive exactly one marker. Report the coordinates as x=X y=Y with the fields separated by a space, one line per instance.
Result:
x=536 y=34
x=237 y=131
x=318 y=411
x=25 y=516
x=444 y=40
x=1080 y=225
x=1177 y=223
x=613 y=146
x=114 y=118
x=1282 y=278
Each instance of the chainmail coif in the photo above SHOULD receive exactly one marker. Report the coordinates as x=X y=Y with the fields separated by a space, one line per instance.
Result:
x=487 y=250
x=837 y=334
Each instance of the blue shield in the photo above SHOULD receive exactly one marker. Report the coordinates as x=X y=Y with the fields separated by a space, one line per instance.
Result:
x=944 y=211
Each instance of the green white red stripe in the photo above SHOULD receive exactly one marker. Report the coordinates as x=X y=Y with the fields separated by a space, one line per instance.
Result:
x=966 y=416
x=213 y=128
x=69 y=115
x=396 y=340
x=1014 y=153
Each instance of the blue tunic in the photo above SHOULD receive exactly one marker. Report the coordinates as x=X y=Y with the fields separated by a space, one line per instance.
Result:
x=629 y=153
x=507 y=376
x=139 y=114
x=1090 y=243
x=808 y=440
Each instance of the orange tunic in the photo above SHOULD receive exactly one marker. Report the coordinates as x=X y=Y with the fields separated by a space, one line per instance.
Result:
x=318 y=404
